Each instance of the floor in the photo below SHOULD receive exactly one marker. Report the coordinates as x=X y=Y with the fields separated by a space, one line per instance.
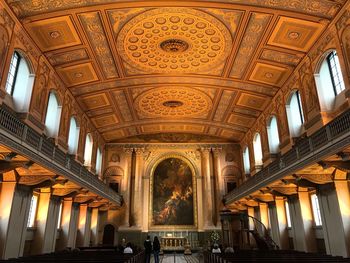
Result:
x=177 y=258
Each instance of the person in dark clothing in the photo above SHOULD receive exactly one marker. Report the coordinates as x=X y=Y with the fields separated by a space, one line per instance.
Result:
x=148 y=249
x=156 y=249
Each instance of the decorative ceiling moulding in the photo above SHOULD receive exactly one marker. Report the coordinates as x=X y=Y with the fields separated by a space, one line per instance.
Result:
x=95 y=32
x=281 y=57
x=295 y=34
x=53 y=33
x=66 y=57
x=250 y=41
x=321 y=8
x=77 y=74
x=198 y=81
x=174 y=40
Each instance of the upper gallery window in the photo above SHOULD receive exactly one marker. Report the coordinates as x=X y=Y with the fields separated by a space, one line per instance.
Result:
x=53 y=115
x=295 y=114
x=73 y=137
x=88 y=150
x=335 y=72
x=19 y=82
x=329 y=81
x=246 y=160
x=258 y=156
x=272 y=135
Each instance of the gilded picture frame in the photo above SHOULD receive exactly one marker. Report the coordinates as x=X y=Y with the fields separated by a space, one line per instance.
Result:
x=153 y=226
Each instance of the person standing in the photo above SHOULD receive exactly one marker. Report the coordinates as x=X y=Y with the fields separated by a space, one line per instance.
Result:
x=156 y=249
x=148 y=249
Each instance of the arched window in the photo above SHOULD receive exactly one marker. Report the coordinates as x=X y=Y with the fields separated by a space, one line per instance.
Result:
x=295 y=114
x=257 y=149
x=53 y=116
x=73 y=137
x=88 y=150
x=19 y=82
x=272 y=135
x=98 y=161
x=246 y=160
x=329 y=81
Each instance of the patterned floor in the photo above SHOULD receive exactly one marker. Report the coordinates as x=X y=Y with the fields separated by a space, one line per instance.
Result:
x=177 y=258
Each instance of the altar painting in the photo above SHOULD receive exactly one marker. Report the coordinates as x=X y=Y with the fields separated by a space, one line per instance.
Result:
x=172 y=193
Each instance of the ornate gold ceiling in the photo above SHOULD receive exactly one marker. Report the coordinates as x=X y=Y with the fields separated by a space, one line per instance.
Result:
x=194 y=67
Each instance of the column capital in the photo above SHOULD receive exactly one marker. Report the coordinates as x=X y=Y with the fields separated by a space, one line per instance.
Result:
x=128 y=150
x=139 y=151
x=205 y=149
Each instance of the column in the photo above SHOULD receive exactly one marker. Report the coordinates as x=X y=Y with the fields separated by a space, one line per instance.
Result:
x=217 y=185
x=302 y=221
x=126 y=186
x=73 y=226
x=282 y=227
x=84 y=222
x=250 y=211
x=207 y=202
x=333 y=232
x=69 y=223
x=145 y=201
x=95 y=225
x=137 y=204
x=46 y=223
x=14 y=206
x=273 y=223
x=264 y=214
x=343 y=194
x=200 y=200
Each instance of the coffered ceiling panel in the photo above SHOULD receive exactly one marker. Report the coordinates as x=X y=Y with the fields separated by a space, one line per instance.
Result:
x=236 y=136
x=54 y=33
x=94 y=101
x=270 y=74
x=77 y=74
x=252 y=101
x=106 y=120
x=295 y=34
x=209 y=68
x=241 y=120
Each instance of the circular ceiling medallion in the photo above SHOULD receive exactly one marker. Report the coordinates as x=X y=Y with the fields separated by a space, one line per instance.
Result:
x=173 y=40
x=173 y=102
x=174 y=45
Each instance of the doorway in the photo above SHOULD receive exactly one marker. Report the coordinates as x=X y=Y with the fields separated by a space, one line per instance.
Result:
x=108 y=235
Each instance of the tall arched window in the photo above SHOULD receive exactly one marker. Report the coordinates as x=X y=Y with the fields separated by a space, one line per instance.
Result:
x=73 y=137
x=98 y=161
x=257 y=149
x=53 y=116
x=329 y=81
x=19 y=82
x=295 y=114
x=246 y=160
x=272 y=135
x=88 y=150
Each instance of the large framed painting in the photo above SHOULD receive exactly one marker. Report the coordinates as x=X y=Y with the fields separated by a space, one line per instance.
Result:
x=173 y=194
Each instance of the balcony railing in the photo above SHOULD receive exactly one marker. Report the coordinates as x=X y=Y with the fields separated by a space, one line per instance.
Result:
x=42 y=150
x=328 y=140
